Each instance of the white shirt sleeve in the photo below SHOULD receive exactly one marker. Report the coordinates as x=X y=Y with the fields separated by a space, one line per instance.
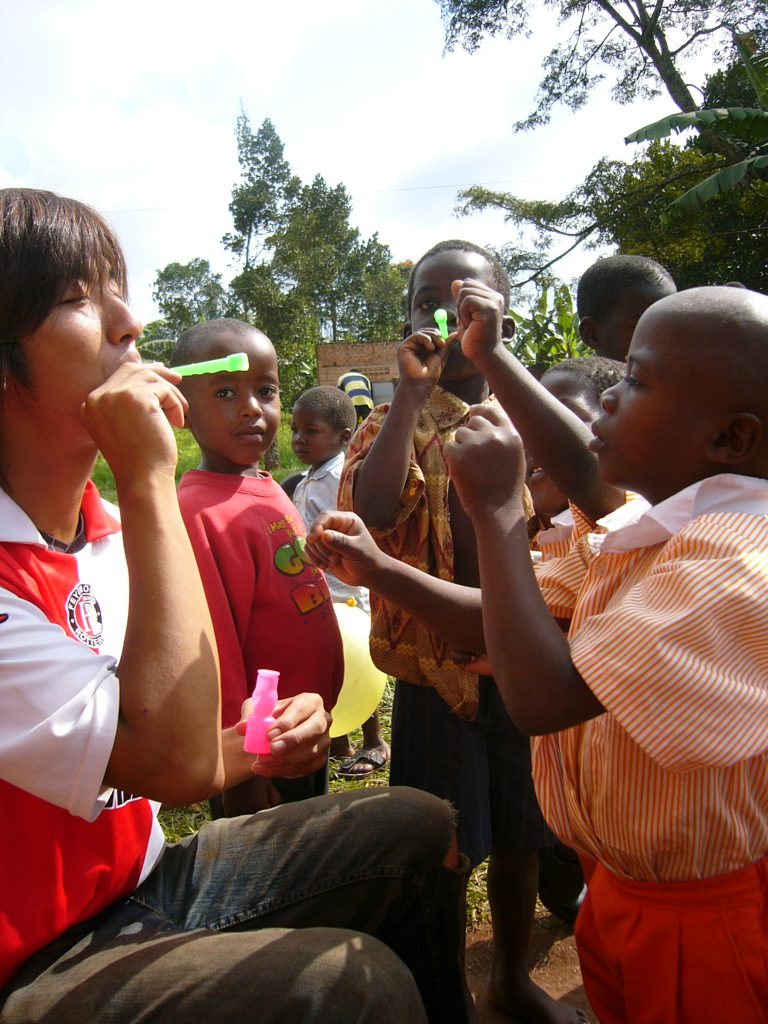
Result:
x=59 y=705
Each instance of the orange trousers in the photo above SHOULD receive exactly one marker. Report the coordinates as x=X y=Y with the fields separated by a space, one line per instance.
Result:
x=676 y=953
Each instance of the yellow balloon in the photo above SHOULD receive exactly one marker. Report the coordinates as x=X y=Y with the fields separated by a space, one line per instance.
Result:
x=363 y=683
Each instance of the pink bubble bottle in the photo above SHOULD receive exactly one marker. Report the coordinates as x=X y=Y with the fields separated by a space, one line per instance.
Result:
x=260 y=721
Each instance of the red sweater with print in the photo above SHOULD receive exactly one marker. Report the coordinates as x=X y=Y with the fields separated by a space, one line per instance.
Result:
x=270 y=607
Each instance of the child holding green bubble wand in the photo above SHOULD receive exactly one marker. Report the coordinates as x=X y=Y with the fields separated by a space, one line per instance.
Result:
x=270 y=608
x=451 y=735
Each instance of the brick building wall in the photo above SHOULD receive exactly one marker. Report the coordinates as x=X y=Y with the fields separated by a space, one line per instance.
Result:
x=376 y=359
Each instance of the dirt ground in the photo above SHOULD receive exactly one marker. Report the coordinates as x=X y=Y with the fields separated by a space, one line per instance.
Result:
x=554 y=966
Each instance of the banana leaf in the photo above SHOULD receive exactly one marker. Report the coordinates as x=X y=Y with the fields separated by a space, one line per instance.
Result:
x=721 y=181
x=746 y=123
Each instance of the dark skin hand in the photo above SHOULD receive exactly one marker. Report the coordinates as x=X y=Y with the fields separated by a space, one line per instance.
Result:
x=381 y=478
x=554 y=436
x=340 y=543
x=539 y=683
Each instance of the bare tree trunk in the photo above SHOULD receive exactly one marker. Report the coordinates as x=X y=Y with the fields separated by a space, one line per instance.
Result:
x=272 y=456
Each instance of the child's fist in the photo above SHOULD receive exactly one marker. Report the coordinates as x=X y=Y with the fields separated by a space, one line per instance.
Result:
x=486 y=461
x=421 y=356
x=481 y=316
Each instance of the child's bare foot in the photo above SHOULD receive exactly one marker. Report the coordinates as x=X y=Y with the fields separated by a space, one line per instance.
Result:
x=529 y=1004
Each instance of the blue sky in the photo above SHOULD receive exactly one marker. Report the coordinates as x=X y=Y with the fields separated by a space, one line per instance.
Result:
x=132 y=108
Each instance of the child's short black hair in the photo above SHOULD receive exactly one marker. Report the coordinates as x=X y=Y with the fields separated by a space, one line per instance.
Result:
x=185 y=349
x=331 y=405
x=601 y=285
x=498 y=273
x=594 y=373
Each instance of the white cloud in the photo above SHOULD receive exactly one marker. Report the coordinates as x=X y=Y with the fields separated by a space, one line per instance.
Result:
x=133 y=109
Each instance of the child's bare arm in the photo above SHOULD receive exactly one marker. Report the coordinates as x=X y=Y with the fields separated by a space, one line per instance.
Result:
x=340 y=543
x=554 y=436
x=383 y=473
x=532 y=665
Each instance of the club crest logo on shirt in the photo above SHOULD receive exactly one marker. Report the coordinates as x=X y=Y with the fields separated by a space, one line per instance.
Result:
x=84 y=615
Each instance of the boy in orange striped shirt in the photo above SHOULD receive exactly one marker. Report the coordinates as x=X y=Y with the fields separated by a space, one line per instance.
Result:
x=652 y=717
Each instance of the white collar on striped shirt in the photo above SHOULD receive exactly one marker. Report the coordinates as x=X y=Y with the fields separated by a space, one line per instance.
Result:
x=564 y=518
x=638 y=525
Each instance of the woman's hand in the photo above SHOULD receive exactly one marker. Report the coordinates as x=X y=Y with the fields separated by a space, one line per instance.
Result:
x=130 y=417
x=299 y=739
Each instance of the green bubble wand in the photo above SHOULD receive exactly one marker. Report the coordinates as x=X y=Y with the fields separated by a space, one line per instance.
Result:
x=441 y=319
x=227 y=364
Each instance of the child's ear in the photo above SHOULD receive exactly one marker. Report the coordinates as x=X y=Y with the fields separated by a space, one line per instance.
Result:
x=407 y=332
x=738 y=441
x=507 y=328
x=346 y=436
x=588 y=331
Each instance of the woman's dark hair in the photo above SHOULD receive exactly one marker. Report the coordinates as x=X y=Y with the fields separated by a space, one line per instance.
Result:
x=47 y=243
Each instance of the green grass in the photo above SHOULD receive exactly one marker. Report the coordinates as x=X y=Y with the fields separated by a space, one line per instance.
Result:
x=189 y=457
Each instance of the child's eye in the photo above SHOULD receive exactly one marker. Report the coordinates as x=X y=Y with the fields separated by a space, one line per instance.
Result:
x=225 y=393
x=268 y=392
x=428 y=305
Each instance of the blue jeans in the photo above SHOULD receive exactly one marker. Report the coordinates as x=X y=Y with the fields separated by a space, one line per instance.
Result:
x=322 y=911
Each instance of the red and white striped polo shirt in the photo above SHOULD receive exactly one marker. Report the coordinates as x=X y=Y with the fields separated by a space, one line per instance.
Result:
x=70 y=846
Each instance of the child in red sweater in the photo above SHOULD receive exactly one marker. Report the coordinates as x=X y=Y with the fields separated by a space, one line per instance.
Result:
x=270 y=607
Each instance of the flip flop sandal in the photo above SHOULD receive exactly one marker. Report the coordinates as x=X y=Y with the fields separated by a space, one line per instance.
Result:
x=372 y=759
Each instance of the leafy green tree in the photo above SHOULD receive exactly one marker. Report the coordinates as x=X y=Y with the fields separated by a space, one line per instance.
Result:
x=549 y=333
x=642 y=45
x=304 y=274
x=744 y=128
x=343 y=278
x=156 y=341
x=265 y=191
x=382 y=298
x=187 y=293
x=315 y=251
x=626 y=204
x=725 y=240
x=287 y=320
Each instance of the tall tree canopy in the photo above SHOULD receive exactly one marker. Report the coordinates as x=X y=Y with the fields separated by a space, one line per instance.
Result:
x=739 y=133
x=642 y=45
x=304 y=274
x=187 y=293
